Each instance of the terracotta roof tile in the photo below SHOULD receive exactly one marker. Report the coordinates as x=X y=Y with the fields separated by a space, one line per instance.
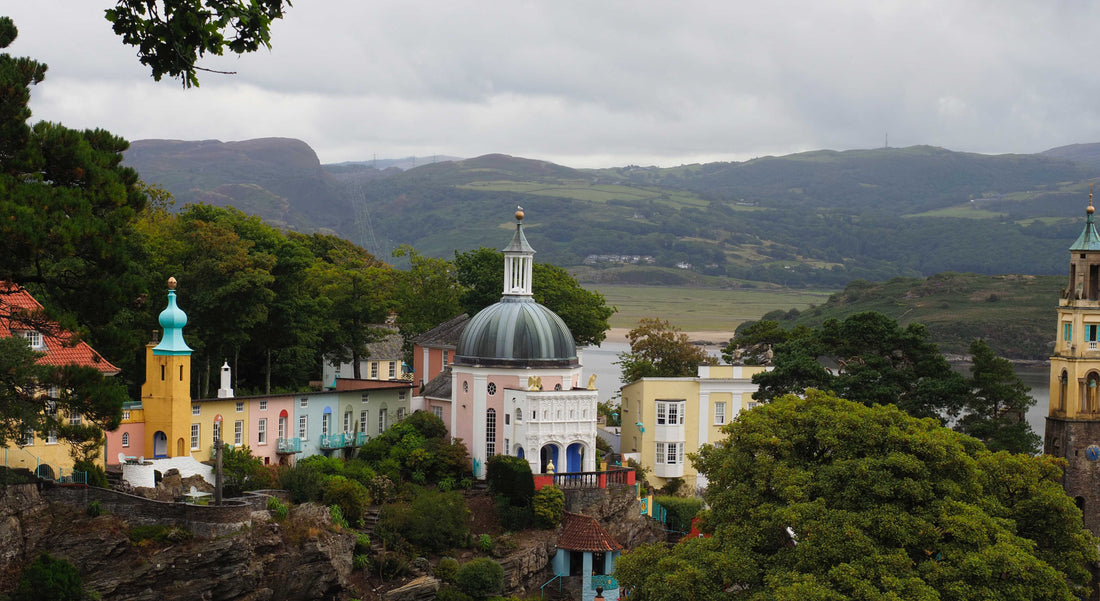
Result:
x=584 y=533
x=60 y=346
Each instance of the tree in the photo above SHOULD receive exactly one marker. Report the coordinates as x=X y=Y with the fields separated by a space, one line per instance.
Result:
x=996 y=412
x=877 y=362
x=481 y=273
x=753 y=344
x=822 y=498
x=357 y=289
x=659 y=349
x=428 y=293
x=172 y=35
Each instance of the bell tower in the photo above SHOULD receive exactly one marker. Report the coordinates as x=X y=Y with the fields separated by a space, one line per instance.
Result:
x=166 y=394
x=1073 y=418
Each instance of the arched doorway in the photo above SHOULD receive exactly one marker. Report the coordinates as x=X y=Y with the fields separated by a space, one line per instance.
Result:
x=548 y=454
x=519 y=451
x=160 y=444
x=574 y=458
x=1092 y=392
x=44 y=471
x=283 y=420
x=180 y=448
x=1063 y=387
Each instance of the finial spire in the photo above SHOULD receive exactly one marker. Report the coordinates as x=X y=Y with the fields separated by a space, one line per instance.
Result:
x=1090 y=210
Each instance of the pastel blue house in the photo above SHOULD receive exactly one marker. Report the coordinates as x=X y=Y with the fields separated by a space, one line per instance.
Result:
x=586 y=557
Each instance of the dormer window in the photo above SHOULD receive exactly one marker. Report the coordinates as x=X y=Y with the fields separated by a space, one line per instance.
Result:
x=34 y=339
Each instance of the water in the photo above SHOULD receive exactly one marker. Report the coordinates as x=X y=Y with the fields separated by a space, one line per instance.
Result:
x=600 y=360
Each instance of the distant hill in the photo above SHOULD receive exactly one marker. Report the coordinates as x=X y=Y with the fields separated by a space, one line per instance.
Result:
x=811 y=219
x=279 y=179
x=1085 y=154
x=1014 y=314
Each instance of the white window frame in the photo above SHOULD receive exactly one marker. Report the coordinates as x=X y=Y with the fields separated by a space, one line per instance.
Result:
x=196 y=432
x=393 y=369
x=363 y=420
x=324 y=423
x=51 y=437
x=661 y=414
x=719 y=413
x=660 y=453
x=374 y=370
x=382 y=415
x=216 y=432
x=125 y=439
x=240 y=406
x=263 y=405
x=490 y=432
x=238 y=432
x=28 y=437
x=304 y=403
x=303 y=427
x=437 y=411
x=261 y=431
x=196 y=410
x=347 y=422
x=34 y=339
x=74 y=419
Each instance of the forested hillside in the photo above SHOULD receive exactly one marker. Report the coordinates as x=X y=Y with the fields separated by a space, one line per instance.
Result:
x=811 y=219
x=1014 y=314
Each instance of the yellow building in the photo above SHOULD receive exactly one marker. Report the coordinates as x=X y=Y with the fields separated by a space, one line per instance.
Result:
x=166 y=394
x=665 y=419
x=47 y=456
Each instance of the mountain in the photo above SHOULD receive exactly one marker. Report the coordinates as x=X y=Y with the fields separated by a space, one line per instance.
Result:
x=279 y=179
x=810 y=219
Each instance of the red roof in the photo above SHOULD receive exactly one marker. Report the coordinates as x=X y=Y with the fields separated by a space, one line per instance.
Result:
x=584 y=533
x=60 y=347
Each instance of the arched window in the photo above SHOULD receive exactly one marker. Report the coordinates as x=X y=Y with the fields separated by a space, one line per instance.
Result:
x=1092 y=391
x=125 y=439
x=1063 y=388
x=490 y=432
x=519 y=414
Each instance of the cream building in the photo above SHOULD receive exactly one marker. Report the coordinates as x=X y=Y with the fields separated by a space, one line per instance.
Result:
x=665 y=419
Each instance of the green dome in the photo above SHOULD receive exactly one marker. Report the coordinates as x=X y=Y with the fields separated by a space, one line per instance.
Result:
x=516 y=332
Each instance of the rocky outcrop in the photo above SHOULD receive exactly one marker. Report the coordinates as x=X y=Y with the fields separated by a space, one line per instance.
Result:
x=526 y=568
x=619 y=512
x=302 y=558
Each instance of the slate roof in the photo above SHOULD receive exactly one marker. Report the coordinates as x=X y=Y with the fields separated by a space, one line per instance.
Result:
x=583 y=533
x=445 y=334
x=60 y=346
x=389 y=347
x=439 y=387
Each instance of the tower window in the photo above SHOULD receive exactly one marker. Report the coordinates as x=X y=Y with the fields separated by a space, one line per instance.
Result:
x=1067 y=331
x=1091 y=332
x=490 y=432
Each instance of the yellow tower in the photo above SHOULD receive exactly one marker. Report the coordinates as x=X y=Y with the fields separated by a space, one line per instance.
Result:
x=1073 y=419
x=166 y=394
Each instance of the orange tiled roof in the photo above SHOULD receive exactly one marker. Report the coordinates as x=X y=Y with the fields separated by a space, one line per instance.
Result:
x=60 y=349
x=584 y=533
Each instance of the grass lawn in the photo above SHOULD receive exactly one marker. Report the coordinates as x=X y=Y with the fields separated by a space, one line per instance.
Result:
x=698 y=309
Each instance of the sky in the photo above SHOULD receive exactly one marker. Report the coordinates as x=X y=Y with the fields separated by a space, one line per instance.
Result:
x=599 y=84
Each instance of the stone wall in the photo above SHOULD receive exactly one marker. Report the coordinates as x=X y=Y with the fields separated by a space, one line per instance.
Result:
x=202 y=520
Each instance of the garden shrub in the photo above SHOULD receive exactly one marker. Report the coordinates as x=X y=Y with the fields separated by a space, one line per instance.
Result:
x=485 y=543
x=94 y=509
x=278 y=509
x=479 y=578
x=337 y=516
x=513 y=519
x=511 y=477
x=447 y=568
x=360 y=561
x=304 y=482
x=680 y=511
x=450 y=593
x=96 y=476
x=672 y=487
x=349 y=495
x=433 y=522
x=362 y=542
x=548 y=506
x=49 y=578
x=390 y=565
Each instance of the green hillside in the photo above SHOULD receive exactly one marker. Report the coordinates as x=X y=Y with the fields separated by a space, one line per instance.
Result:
x=818 y=219
x=1014 y=314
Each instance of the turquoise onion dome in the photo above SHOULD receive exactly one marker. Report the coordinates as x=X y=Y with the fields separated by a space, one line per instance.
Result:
x=172 y=319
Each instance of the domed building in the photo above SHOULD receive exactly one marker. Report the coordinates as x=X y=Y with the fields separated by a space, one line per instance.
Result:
x=516 y=380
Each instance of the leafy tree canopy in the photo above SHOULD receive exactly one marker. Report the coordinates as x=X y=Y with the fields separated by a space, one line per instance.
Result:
x=996 y=412
x=822 y=498
x=172 y=35
x=659 y=349
x=876 y=362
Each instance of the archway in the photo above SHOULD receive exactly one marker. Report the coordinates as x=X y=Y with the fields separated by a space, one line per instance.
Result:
x=179 y=448
x=1092 y=391
x=1063 y=386
x=519 y=451
x=574 y=458
x=548 y=454
x=160 y=444
x=44 y=471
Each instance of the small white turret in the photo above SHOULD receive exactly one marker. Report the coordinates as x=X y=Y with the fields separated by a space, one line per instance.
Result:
x=225 y=392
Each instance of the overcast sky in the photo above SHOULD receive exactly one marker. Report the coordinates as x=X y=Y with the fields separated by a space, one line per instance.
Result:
x=600 y=83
